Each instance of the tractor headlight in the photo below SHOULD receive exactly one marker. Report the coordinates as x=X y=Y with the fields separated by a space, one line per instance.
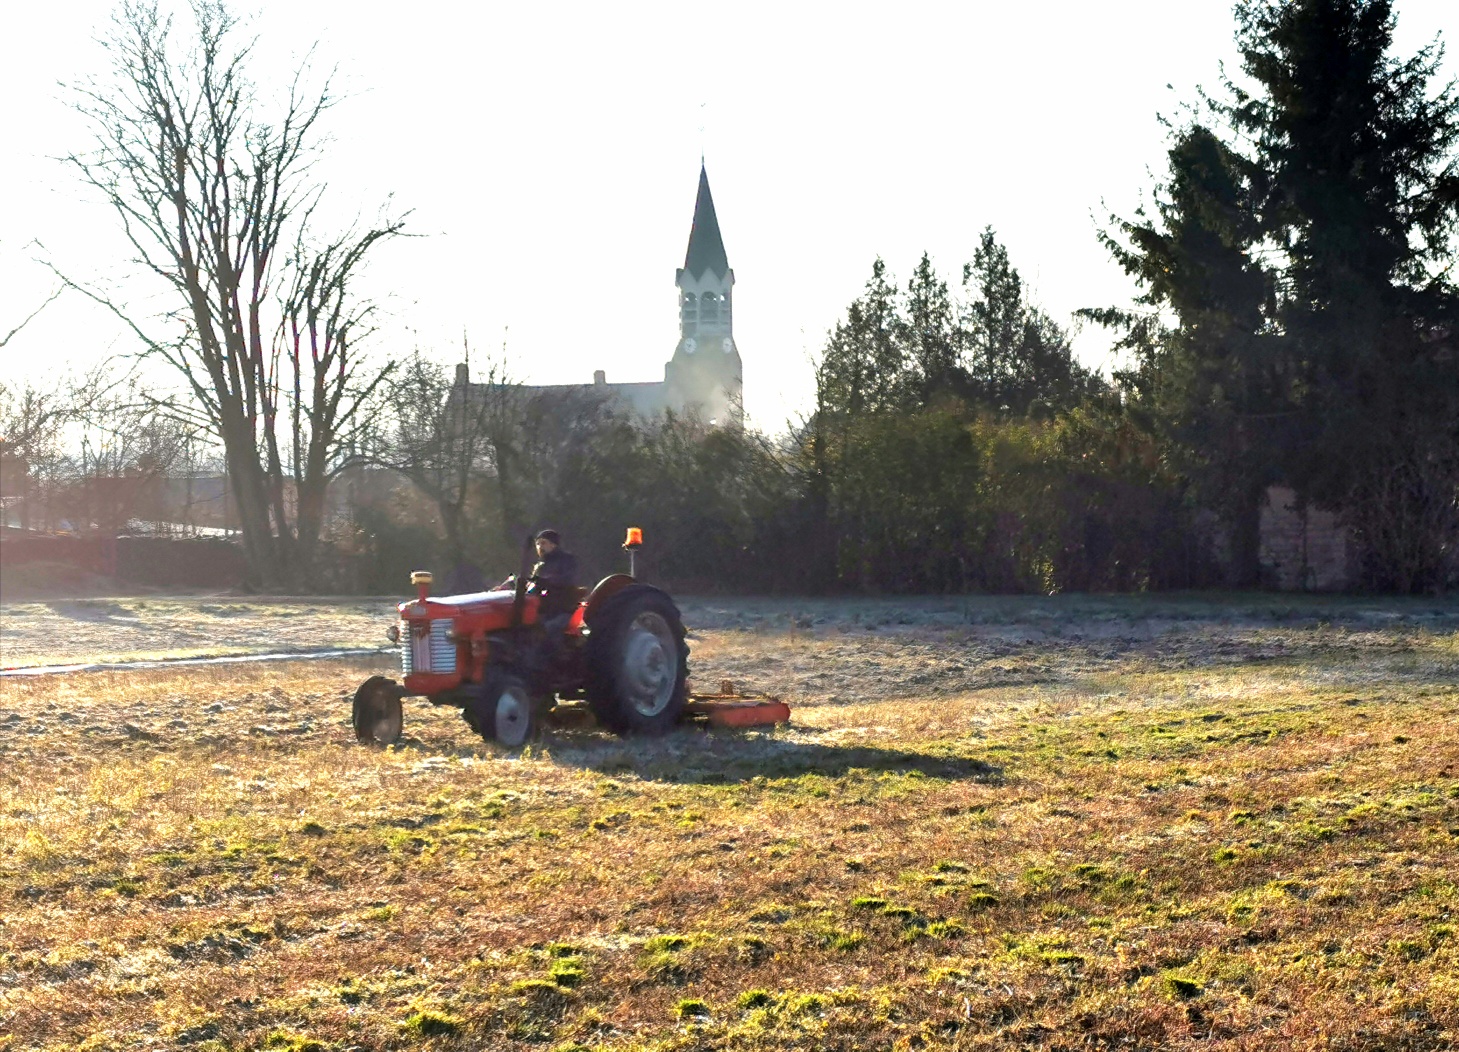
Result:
x=393 y=633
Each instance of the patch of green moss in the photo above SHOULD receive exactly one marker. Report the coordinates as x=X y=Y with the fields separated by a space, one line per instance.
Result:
x=946 y=975
x=532 y=987
x=660 y=958
x=431 y=1023
x=754 y=949
x=287 y=1041
x=1066 y=958
x=1037 y=877
x=1177 y=986
x=754 y=999
x=803 y=1004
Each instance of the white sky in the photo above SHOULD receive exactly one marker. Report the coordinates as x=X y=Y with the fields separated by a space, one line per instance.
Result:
x=551 y=152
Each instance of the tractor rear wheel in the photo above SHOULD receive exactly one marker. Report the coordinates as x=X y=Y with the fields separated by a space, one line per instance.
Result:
x=637 y=662
x=377 y=715
x=503 y=710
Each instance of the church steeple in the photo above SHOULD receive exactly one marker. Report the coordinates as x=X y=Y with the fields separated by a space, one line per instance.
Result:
x=706 y=247
x=705 y=371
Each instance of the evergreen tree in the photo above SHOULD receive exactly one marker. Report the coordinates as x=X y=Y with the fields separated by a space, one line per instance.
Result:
x=864 y=366
x=1217 y=381
x=1018 y=358
x=1296 y=267
x=931 y=337
x=1362 y=195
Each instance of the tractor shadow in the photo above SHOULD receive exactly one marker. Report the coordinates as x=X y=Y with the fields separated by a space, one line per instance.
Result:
x=692 y=757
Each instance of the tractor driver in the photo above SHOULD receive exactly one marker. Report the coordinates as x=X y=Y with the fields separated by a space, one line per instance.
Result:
x=556 y=578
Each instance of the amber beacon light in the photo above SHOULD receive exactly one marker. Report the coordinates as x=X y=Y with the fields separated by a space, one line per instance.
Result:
x=631 y=544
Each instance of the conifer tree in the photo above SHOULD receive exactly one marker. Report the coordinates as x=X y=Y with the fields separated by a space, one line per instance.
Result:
x=931 y=337
x=1018 y=358
x=1216 y=380
x=1362 y=196
x=1299 y=262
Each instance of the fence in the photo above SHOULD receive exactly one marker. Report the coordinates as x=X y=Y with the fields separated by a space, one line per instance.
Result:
x=150 y=561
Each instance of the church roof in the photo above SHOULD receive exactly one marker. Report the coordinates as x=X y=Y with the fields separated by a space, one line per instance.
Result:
x=706 y=247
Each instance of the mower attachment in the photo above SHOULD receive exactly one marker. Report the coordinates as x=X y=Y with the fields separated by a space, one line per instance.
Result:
x=729 y=708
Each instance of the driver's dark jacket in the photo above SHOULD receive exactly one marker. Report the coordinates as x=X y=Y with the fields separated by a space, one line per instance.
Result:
x=556 y=577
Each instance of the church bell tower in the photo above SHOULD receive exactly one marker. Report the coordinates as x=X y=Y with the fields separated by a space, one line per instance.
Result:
x=705 y=374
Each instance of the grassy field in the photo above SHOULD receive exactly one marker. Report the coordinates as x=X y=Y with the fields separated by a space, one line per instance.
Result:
x=1082 y=824
x=132 y=628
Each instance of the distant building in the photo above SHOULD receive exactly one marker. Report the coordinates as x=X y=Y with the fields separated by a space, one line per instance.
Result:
x=705 y=375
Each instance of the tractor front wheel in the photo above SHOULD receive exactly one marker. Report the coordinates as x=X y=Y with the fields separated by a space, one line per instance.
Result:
x=503 y=710
x=377 y=714
x=637 y=662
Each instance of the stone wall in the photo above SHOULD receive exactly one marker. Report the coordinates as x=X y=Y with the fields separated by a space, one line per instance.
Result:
x=1305 y=549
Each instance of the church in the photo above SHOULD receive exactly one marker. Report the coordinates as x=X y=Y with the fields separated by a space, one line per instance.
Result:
x=704 y=377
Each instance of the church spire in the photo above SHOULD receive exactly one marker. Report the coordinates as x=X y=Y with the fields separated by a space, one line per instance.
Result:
x=706 y=247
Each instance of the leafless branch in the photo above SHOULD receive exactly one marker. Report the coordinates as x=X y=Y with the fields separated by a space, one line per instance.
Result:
x=31 y=316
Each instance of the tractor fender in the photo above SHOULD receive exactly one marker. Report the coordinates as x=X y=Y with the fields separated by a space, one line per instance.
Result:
x=604 y=590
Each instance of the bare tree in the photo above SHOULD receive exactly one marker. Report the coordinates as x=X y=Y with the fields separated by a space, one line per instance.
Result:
x=446 y=438
x=125 y=446
x=31 y=420
x=217 y=201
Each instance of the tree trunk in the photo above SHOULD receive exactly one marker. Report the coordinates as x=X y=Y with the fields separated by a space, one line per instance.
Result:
x=251 y=504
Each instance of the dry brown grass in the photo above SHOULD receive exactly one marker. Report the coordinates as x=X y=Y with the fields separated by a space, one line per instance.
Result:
x=1241 y=835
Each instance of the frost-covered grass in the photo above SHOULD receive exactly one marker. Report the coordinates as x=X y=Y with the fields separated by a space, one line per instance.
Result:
x=66 y=631
x=1219 y=826
x=149 y=627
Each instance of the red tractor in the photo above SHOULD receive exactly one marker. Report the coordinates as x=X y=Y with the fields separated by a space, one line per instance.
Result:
x=622 y=650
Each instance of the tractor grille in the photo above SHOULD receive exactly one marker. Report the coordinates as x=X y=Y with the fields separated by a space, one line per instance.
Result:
x=431 y=652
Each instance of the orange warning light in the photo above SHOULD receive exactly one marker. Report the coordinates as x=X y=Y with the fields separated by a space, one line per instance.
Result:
x=635 y=538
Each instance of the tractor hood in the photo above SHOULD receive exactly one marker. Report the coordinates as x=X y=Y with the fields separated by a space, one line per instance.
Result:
x=452 y=606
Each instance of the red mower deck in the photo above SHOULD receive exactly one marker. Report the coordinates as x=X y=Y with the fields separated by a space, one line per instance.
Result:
x=729 y=708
